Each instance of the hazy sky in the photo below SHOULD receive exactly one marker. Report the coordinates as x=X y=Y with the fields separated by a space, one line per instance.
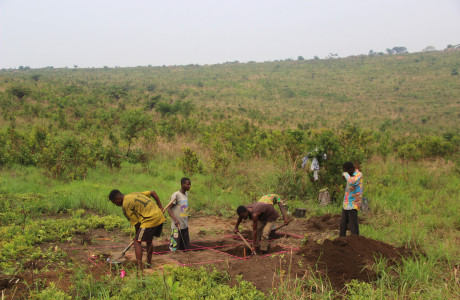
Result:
x=96 y=33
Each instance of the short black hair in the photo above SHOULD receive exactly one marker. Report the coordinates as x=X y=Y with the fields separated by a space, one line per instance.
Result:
x=348 y=166
x=184 y=180
x=241 y=209
x=113 y=194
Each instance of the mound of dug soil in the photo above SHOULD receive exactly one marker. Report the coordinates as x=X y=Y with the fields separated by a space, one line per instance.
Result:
x=348 y=258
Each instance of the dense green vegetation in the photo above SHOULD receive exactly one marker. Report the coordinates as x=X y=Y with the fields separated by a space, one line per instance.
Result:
x=69 y=136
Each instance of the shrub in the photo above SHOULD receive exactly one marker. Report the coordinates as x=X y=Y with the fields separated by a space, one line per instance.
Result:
x=189 y=163
x=409 y=151
x=111 y=157
x=139 y=156
x=164 y=108
x=133 y=122
x=435 y=146
x=19 y=91
x=68 y=158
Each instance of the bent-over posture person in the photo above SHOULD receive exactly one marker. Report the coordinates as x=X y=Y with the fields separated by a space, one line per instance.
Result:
x=145 y=215
x=274 y=199
x=352 y=199
x=263 y=216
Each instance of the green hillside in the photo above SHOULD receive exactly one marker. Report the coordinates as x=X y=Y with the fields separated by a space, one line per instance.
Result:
x=68 y=136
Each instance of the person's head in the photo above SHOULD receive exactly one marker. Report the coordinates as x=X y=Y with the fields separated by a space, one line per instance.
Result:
x=116 y=197
x=349 y=167
x=185 y=184
x=242 y=212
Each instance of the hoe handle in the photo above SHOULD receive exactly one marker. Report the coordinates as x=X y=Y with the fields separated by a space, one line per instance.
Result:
x=126 y=249
x=282 y=225
x=167 y=206
x=246 y=242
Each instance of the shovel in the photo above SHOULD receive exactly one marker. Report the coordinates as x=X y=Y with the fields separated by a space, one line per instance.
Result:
x=117 y=259
x=247 y=244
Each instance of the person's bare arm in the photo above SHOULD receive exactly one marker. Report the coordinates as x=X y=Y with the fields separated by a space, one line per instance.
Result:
x=176 y=221
x=237 y=224
x=283 y=212
x=157 y=199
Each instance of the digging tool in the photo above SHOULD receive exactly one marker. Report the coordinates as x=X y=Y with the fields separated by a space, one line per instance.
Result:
x=167 y=206
x=122 y=255
x=282 y=225
x=246 y=242
x=183 y=242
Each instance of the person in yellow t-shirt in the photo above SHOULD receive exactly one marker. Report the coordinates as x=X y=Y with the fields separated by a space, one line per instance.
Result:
x=274 y=199
x=145 y=215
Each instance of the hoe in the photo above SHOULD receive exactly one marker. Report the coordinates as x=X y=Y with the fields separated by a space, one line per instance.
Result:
x=120 y=258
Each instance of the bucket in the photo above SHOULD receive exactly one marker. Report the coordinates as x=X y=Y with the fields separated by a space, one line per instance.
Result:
x=300 y=212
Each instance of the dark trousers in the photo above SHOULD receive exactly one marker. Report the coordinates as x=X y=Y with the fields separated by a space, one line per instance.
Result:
x=180 y=240
x=349 y=219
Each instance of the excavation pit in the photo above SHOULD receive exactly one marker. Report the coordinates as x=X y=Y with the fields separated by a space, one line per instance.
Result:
x=239 y=251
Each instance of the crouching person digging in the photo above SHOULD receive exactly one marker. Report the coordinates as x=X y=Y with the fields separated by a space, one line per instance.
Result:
x=263 y=217
x=145 y=215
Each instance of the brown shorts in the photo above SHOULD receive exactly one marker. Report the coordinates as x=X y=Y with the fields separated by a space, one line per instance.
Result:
x=147 y=234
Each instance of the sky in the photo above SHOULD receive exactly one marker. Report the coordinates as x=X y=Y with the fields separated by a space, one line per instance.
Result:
x=97 y=33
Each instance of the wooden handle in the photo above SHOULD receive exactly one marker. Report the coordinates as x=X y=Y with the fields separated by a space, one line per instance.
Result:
x=167 y=206
x=282 y=225
x=244 y=240
x=127 y=248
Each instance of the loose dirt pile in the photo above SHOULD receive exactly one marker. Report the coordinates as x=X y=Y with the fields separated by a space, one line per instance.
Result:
x=348 y=258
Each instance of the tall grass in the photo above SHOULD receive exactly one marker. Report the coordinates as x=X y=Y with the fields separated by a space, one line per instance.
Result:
x=416 y=278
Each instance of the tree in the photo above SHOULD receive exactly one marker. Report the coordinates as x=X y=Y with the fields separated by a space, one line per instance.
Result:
x=133 y=123
x=36 y=77
x=117 y=92
x=300 y=58
x=19 y=91
x=400 y=50
x=151 y=87
x=150 y=103
x=429 y=49
x=389 y=51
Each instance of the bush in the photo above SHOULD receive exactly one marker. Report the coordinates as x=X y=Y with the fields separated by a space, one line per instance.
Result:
x=111 y=157
x=435 y=146
x=164 y=108
x=139 y=156
x=409 y=151
x=189 y=163
x=427 y=147
x=19 y=91
x=68 y=158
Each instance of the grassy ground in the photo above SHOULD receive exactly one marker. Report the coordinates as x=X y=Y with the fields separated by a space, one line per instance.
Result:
x=414 y=205
x=249 y=125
